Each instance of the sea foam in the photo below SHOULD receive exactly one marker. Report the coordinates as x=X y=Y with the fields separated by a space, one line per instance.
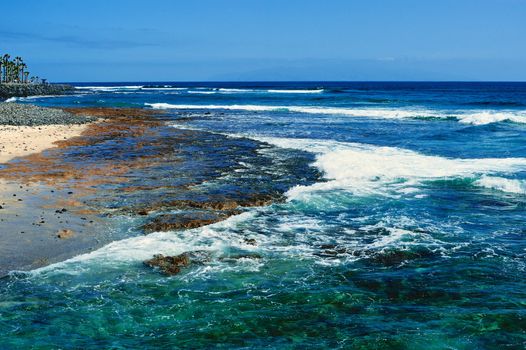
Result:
x=502 y=184
x=470 y=117
x=366 y=169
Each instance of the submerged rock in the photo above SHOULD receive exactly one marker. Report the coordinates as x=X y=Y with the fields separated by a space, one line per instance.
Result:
x=226 y=205
x=179 y=221
x=171 y=265
x=250 y=241
x=233 y=258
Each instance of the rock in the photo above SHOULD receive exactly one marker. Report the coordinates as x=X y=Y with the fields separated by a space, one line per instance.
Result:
x=171 y=265
x=180 y=221
x=29 y=115
x=23 y=90
x=332 y=250
x=227 y=205
x=250 y=241
x=65 y=234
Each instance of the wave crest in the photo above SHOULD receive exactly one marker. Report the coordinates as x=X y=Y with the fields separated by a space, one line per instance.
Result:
x=472 y=117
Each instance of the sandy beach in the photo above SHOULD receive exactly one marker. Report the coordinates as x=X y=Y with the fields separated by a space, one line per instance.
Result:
x=31 y=229
x=19 y=141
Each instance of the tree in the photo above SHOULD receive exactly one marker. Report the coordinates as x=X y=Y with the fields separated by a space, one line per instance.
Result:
x=5 y=61
x=15 y=71
x=22 y=67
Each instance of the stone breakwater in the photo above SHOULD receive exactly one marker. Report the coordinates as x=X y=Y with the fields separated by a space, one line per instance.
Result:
x=24 y=90
x=16 y=114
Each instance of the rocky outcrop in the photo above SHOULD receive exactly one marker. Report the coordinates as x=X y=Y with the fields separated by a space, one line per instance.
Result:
x=180 y=221
x=24 y=90
x=171 y=265
x=222 y=205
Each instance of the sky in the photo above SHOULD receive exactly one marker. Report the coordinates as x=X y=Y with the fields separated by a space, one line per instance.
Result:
x=267 y=40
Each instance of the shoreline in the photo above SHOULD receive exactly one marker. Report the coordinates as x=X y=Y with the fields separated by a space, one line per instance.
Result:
x=129 y=165
x=26 y=206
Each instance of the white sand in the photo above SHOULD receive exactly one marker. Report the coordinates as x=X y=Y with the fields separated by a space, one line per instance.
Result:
x=19 y=141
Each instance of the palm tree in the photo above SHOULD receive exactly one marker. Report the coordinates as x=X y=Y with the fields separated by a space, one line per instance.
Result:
x=16 y=69
x=5 y=61
x=22 y=67
x=9 y=75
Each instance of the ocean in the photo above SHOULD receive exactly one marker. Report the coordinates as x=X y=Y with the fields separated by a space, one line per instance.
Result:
x=402 y=226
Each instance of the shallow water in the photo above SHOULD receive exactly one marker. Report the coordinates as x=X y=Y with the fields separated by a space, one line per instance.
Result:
x=412 y=237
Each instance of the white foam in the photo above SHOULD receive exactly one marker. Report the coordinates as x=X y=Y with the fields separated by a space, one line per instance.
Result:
x=314 y=91
x=502 y=184
x=109 y=88
x=366 y=169
x=258 y=91
x=236 y=90
x=466 y=117
x=202 y=92
x=354 y=112
x=36 y=97
x=210 y=238
x=166 y=88
x=488 y=117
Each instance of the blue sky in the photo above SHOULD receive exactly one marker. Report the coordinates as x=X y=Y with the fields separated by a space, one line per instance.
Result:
x=199 y=40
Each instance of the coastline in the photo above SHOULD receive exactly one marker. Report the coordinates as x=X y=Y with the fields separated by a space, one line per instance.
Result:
x=130 y=166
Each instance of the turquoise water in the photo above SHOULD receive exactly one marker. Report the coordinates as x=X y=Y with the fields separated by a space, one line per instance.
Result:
x=413 y=237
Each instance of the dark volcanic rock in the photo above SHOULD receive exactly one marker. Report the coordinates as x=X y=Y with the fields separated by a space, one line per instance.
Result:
x=171 y=265
x=24 y=90
x=179 y=221
x=250 y=241
x=229 y=205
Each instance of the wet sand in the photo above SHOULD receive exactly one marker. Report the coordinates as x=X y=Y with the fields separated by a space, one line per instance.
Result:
x=30 y=221
x=44 y=214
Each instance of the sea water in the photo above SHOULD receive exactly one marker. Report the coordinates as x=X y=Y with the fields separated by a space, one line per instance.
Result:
x=413 y=237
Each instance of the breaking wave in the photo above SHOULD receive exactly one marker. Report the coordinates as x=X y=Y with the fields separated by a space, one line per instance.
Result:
x=471 y=117
x=372 y=170
x=502 y=184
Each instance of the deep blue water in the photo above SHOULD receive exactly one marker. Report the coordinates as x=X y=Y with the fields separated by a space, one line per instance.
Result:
x=414 y=239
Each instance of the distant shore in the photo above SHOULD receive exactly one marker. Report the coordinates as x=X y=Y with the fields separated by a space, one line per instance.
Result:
x=24 y=90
